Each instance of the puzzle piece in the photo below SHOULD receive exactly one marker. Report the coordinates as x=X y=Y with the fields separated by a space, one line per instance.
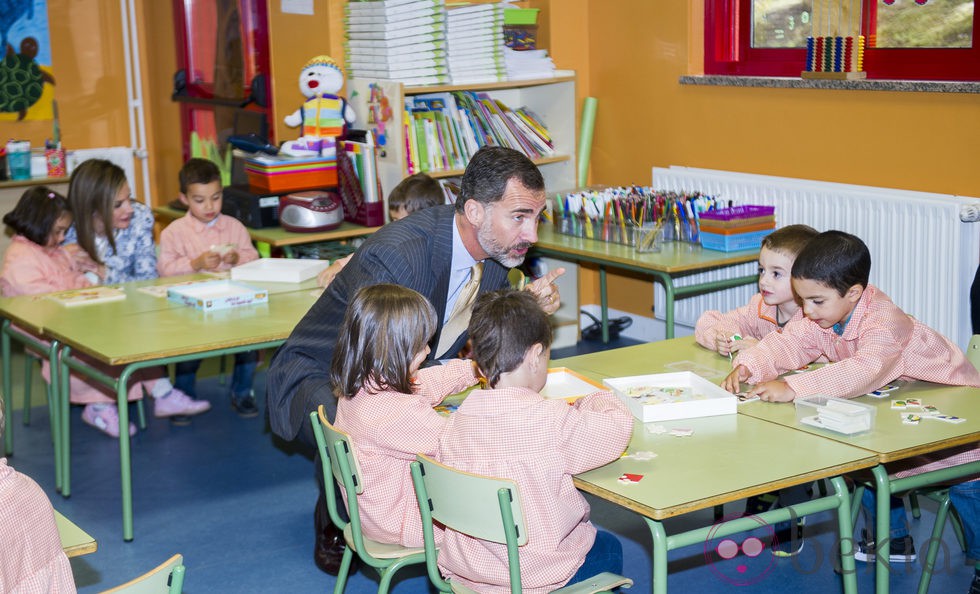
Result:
x=911 y=419
x=643 y=455
x=629 y=479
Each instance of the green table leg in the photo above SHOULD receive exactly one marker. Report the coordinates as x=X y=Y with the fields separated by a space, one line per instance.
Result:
x=839 y=500
x=56 y=420
x=287 y=251
x=604 y=304
x=882 y=527
x=659 y=577
x=64 y=378
x=264 y=249
x=125 y=466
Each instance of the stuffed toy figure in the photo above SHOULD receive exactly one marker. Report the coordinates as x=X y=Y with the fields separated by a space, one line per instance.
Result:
x=324 y=115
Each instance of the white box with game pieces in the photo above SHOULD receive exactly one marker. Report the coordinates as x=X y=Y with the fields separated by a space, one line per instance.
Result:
x=279 y=270
x=669 y=396
x=219 y=294
x=836 y=414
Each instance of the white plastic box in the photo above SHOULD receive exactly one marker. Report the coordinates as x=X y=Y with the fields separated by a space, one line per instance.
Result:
x=278 y=270
x=565 y=383
x=836 y=414
x=669 y=396
x=219 y=294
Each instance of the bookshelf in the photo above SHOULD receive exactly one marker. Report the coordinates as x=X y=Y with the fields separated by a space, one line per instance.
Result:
x=552 y=99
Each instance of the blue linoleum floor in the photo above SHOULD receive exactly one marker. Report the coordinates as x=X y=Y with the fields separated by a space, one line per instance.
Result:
x=237 y=503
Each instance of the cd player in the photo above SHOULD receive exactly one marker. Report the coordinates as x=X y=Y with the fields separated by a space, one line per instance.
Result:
x=315 y=210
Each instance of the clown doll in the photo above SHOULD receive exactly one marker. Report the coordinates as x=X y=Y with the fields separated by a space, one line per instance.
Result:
x=324 y=115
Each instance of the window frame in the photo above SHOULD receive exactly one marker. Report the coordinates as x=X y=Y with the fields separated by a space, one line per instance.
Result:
x=728 y=51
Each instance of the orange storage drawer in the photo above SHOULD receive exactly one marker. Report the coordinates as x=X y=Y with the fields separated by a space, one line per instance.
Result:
x=278 y=183
x=705 y=228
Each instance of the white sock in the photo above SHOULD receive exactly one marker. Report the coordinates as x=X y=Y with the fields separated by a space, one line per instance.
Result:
x=162 y=388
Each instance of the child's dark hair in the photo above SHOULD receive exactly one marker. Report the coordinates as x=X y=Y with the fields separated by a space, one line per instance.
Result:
x=789 y=240
x=836 y=259
x=198 y=171
x=504 y=325
x=92 y=193
x=38 y=209
x=416 y=192
x=385 y=327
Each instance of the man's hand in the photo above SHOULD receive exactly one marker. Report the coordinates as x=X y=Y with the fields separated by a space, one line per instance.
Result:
x=546 y=291
x=329 y=273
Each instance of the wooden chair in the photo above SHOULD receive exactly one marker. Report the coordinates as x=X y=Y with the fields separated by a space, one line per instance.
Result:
x=486 y=508
x=340 y=464
x=168 y=578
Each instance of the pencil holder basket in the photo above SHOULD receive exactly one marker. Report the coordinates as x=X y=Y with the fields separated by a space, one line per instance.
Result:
x=649 y=238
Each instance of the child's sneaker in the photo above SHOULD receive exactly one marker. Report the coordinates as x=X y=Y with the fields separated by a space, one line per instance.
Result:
x=105 y=418
x=789 y=541
x=245 y=405
x=899 y=551
x=177 y=403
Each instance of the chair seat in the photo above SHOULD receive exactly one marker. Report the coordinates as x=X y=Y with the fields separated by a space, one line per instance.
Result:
x=602 y=582
x=381 y=550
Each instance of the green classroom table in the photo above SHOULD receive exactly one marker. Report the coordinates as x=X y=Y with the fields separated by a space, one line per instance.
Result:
x=677 y=482
x=889 y=442
x=675 y=260
x=75 y=542
x=136 y=333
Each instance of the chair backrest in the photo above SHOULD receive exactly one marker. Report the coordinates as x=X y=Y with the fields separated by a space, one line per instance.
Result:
x=339 y=461
x=168 y=578
x=482 y=507
x=973 y=351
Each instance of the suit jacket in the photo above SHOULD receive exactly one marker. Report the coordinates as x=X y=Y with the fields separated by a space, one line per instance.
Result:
x=415 y=252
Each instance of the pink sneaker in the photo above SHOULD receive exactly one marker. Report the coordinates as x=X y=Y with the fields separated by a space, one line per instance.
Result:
x=105 y=419
x=177 y=403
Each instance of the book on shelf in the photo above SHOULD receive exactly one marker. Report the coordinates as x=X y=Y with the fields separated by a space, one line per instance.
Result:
x=359 y=26
x=428 y=47
x=391 y=6
x=87 y=296
x=432 y=30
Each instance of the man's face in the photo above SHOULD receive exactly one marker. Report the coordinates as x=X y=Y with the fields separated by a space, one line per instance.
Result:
x=510 y=225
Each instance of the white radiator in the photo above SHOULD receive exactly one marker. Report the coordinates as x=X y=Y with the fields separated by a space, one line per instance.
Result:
x=922 y=255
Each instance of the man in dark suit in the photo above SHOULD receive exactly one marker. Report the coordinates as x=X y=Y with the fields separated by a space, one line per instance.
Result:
x=432 y=251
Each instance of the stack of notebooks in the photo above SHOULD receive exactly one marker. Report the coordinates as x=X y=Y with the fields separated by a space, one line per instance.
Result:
x=525 y=64
x=475 y=43
x=402 y=40
x=443 y=130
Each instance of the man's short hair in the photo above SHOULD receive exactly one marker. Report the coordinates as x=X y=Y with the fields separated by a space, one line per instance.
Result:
x=836 y=259
x=488 y=172
x=504 y=325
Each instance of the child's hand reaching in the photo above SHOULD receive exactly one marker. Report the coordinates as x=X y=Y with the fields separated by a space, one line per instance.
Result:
x=733 y=382
x=735 y=346
x=208 y=260
x=726 y=344
x=774 y=391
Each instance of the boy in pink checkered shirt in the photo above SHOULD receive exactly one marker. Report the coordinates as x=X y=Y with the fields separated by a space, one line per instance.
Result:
x=510 y=431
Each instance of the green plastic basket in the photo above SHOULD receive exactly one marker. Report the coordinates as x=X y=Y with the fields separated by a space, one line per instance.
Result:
x=521 y=16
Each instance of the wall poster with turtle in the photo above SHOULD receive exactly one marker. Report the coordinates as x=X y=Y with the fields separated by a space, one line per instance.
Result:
x=26 y=77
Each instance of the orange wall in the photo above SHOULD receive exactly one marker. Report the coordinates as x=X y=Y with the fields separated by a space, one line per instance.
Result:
x=637 y=49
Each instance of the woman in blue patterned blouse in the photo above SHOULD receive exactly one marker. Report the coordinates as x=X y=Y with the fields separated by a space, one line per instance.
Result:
x=112 y=240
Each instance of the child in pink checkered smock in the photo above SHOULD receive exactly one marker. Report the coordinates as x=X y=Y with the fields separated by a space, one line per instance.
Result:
x=36 y=262
x=509 y=430
x=771 y=308
x=385 y=402
x=869 y=342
